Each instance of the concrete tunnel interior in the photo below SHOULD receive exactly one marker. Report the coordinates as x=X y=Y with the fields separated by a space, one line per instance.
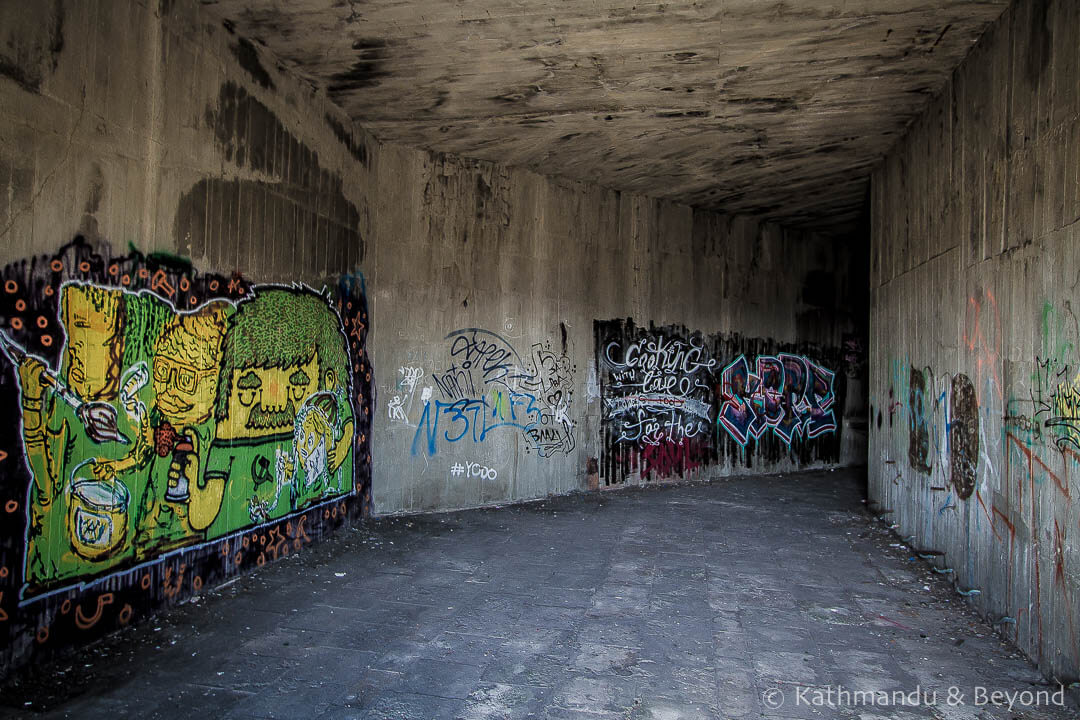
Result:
x=277 y=272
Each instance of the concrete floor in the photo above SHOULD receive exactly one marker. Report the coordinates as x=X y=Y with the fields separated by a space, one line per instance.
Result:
x=706 y=601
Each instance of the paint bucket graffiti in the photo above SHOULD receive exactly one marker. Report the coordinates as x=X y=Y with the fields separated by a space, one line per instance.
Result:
x=97 y=516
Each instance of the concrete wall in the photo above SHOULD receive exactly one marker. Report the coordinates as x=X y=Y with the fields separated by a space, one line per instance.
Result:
x=181 y=231
x=974 y=341
x=151 y=160
x=534 y=264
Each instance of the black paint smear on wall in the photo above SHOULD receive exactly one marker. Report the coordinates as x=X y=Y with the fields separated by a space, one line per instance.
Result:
x=365 y=72
x=30 y=50
x=303 y=195
x=621 y=459
x=919 y=432
x=356 y=148
x=217 y=216
x=29 y=307
x=248 y=57
x=1039 y=41
x=963 y=436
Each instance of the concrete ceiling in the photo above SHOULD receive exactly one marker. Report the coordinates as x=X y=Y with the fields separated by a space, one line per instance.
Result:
x=778 y=109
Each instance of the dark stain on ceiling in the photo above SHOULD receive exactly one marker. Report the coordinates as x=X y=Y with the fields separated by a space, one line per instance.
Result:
x=776 y=109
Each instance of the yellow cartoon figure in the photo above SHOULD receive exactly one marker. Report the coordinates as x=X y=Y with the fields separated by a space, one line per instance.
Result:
x=71 y=423
x=181 y=500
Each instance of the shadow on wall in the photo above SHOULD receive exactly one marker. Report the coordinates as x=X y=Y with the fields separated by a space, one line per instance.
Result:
x=674 y=401
x=176 y=429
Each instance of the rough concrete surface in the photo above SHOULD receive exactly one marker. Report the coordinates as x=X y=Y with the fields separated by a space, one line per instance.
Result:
x=151 y=130
x=750 y=106
x=699 y=601
x=975 y=423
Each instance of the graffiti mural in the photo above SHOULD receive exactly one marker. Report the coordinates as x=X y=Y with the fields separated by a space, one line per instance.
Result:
x=963 y=436
x=163 y=410
x=489 y=386
x=660 y=389
x=919 y=431
x=674 y=400
x=789 y=395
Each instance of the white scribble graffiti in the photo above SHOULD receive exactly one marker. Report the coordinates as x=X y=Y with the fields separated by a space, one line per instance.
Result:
x=410 y=376
x=396 y=411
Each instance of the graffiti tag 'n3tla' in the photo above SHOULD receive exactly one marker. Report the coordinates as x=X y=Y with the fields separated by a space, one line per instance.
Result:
x=490 y=386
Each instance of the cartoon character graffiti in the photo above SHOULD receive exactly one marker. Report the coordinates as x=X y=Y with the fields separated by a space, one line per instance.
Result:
x=178 y=501
x=269 y=370
x=161 y=426
x=73 y=432
x=320 y=446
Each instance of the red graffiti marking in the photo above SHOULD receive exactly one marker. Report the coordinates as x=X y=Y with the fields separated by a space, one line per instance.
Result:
x=671 y=458
x=1059 y=578
x=1012 y=538
x=978 y=496
x=1005 y=519
x=982 y=336
x=3 y=456
x=1059 y=554
x=42 y=634
x=125 y=615
x=1033 y=459
x=160 y=281
x=85 y=623
x=11 y=506
x=3 y=612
